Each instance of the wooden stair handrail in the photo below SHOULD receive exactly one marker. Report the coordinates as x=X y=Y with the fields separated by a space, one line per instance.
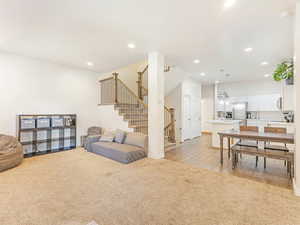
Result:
x=135 y=96
x=106 y=79
x=167 y=68
x=144 y=71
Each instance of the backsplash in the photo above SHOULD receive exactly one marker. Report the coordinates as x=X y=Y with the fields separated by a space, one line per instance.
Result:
x=272 y=116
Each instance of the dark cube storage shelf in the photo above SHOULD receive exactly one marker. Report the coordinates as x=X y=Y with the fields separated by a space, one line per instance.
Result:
x=47 y=133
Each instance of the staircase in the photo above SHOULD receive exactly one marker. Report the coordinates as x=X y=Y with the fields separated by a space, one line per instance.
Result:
x=135 y=115
x=133 y=108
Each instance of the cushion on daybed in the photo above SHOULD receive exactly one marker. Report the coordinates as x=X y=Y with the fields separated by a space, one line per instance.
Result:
x=136 y=139
x=107 y=137
x=120 y=136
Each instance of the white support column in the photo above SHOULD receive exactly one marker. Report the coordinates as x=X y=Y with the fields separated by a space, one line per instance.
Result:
x=156 y=105
x=297 y=100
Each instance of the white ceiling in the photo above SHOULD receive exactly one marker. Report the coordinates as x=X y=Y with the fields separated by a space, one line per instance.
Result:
x=73 y=32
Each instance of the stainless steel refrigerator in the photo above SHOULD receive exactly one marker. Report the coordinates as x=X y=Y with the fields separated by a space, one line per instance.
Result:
x=239 y=112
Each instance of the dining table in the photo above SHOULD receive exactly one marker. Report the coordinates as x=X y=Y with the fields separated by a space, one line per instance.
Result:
x=285 y=138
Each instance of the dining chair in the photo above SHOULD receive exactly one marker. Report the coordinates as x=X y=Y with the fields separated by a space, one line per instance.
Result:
x=248 y=143
x=271 y=146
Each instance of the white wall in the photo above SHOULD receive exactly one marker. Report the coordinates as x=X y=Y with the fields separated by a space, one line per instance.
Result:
x=128 y=74
x=110 y=119
x=208 y=106
x=174 y=78
x=173 y=100
x=29 y=86
x=297 y=99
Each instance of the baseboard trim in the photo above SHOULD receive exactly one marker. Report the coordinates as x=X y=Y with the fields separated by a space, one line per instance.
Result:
x=296 y=189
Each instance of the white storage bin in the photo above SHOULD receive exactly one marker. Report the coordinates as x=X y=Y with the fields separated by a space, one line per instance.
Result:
x=27 y=123
x=67 y=143
x=55 y=145
x=55 y=134
x=41 y=147
x=26 y=136
x=73 y=143
x=73 y=132
x=41 y=135
x=57 y=122
x=67 y=132
x=27 y=149
x=43 y=122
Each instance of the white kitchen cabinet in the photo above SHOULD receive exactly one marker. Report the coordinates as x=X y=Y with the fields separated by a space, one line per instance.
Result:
x=287 y=97
x=266 y=103
x=220 y=105
x=252 y=104
x=269 y=102
x=263 y=103
x=228 y=106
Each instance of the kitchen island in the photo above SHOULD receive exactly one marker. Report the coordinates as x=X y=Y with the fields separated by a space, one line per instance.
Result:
x=219 y=126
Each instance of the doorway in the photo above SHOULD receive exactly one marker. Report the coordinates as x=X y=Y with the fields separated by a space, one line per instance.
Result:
x=191 y=127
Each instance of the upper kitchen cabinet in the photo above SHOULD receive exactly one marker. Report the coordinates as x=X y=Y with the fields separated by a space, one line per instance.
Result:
x=252 y=104
x=287 y=97
x=228 y=106
x=269 y=102
x=264 y=103
x=220 y=105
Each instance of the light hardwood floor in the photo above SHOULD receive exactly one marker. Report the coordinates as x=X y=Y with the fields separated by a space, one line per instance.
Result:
x=197 y=152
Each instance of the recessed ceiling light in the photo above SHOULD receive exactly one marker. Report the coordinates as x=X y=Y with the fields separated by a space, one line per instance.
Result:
x=196 y=61
x=264 y=63
x=248 y=49
x=90 y=63
x=229 y=3
x=202 y=74
x=131 y=45
x=267 y=75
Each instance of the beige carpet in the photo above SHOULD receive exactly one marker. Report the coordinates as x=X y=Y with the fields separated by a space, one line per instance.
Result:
x=76 y=187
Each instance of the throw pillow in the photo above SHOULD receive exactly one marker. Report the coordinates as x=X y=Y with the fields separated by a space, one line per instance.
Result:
x=120 y=136
x=107 y=137
x=136 y=139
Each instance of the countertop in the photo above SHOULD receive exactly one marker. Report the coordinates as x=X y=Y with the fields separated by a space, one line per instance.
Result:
x=270 y=121
x=224 y=121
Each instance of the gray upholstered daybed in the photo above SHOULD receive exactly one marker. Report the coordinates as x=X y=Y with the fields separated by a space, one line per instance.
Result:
x=124 y=147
